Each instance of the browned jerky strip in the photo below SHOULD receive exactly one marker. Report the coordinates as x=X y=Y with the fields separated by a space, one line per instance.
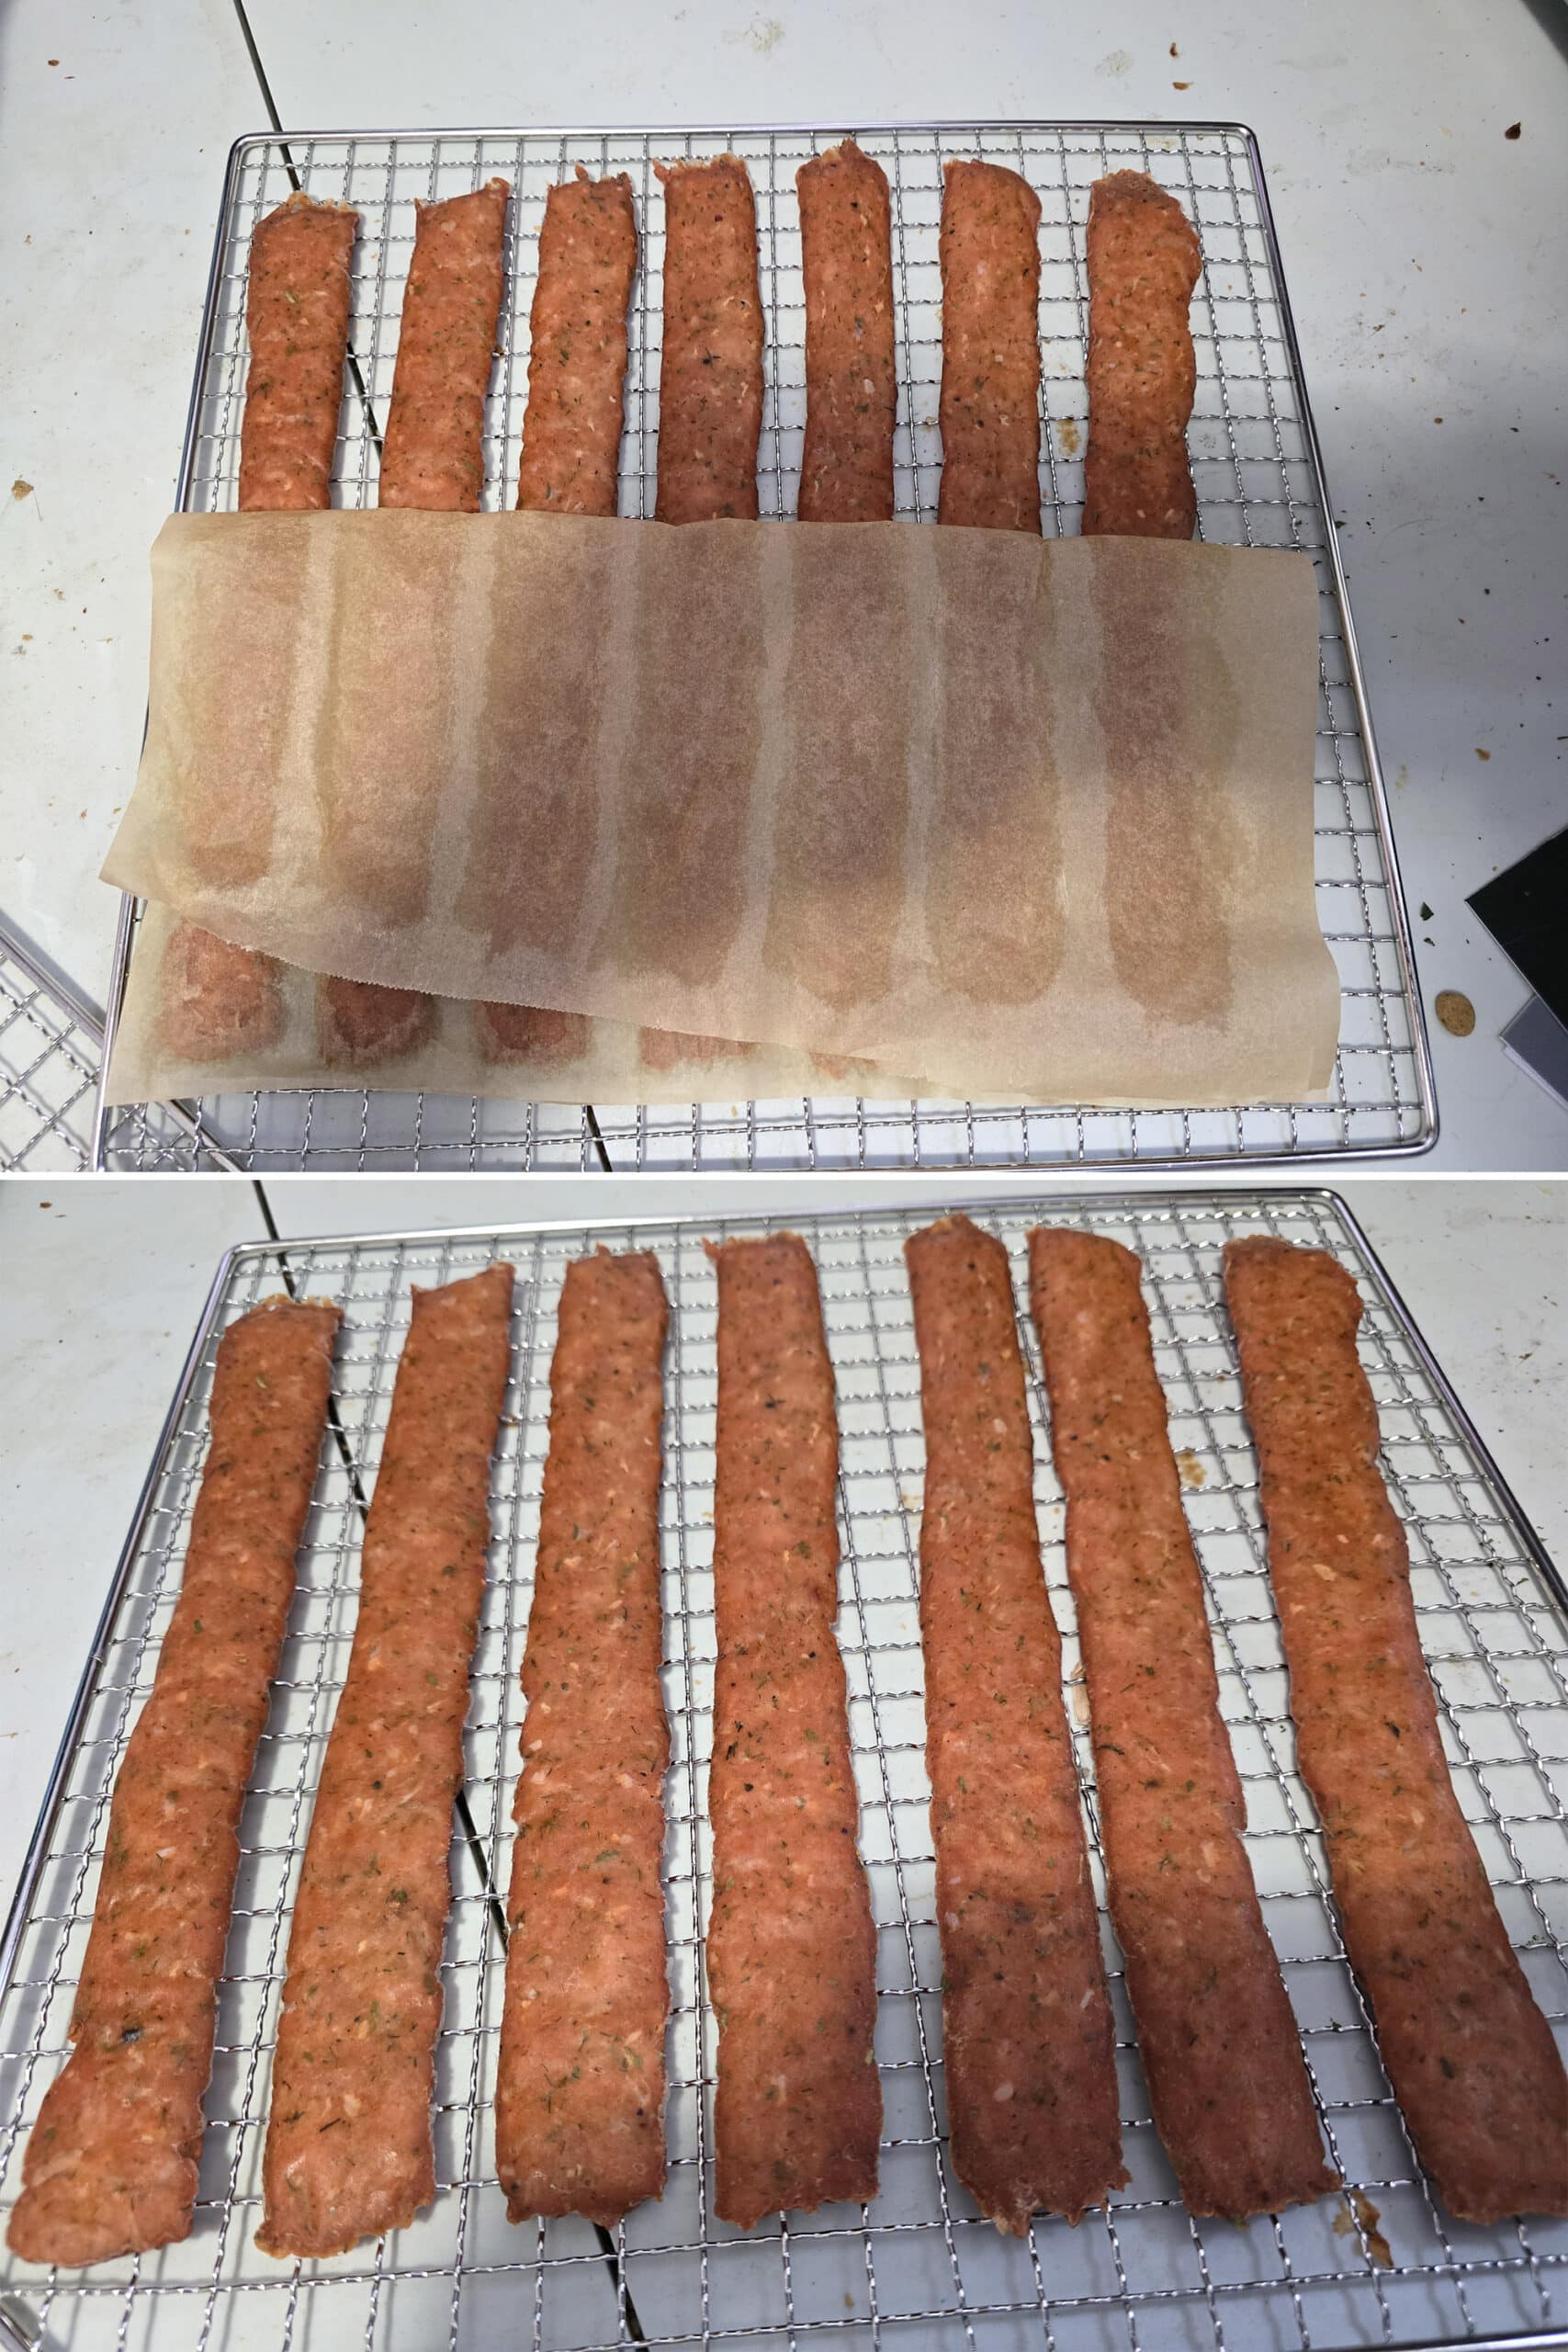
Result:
x=1144 y=262
x=217 y=999
x=348 y=2144
x=297 y=305
x=432 y=455
x=1026 y=2027
x=710 y=377
x=577 y=361
x=990 y=348
x=580 y=2091
x=1222 y=2055
x=1471 y=2057
x=852 y=387
x=791 y=1947
x=111 y=2166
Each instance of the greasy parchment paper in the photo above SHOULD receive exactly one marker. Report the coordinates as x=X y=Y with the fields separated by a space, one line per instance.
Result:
x=1028 y=817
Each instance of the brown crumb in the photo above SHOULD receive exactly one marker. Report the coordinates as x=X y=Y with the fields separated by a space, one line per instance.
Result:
x=1481 y=754
x=1174 y=50
x=1513 y=130
x=1456 y=1012
x=20 y=489
x=1181 y=85
x=1379 y=2251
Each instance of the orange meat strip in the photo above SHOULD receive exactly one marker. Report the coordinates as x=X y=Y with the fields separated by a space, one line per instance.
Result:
x=990 y=348
x=297 y=306
x=851 y=388
x=580 y=2093
x=710 y=377
x=111 y=2166
x=1027 y=2036
x=219 y=999
x=577 y=361
x=1471 y=2057
x=791 y=1945
x=1144 y=262
x=432 y=460
x=349 y=2150
x=433 y=453
x=1228 y=2085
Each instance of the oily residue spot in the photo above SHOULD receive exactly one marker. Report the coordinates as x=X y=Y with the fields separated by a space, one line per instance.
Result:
x=839 y=842
x=1067 y=437
x=532 y=847
x=1192 y=1471
x=530 y=1032
x=666 y=1049
x=1356 y=2206
x=681 y=843
x=1169 y=863
x=995 y=913
x=360 y=1024
x=215 y=1000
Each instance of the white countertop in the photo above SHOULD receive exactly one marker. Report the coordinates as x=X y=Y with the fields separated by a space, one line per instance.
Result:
x=1421 y=246
x=103 y=1283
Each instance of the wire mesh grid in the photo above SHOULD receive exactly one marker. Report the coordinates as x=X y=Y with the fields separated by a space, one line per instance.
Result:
x=918 y=2267
x=1258 y=479
x=51 y=1043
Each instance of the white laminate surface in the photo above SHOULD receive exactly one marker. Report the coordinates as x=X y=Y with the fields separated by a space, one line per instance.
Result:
x=1422 y=248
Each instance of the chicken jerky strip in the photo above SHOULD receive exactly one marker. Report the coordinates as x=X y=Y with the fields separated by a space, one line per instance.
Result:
x=791 y=1947
x=991 y=349
x=297 y=306
x=1027 y=2038
x=217 y=999
x=432 y=460
x=432 y=455
x=580 y=2092
x=111 y=2166
x=1144 y=262
x=1227 y=2082
x=710 y=375
x=852 y=391
x=348 y=2144
x=1471 y=2057
x=577 y=361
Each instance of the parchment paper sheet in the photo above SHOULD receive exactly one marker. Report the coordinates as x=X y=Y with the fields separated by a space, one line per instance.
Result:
x=1031 y=818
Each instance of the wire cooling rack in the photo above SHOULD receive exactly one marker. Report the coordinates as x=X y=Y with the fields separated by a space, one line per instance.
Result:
x=918 y=2269
x=51 y=1042
x=1259 y=480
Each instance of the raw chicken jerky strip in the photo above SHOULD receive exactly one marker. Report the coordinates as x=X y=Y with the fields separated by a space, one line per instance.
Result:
x=432 y=455
x=852 y=392
x=219 y=999
x=1027 y=2038
x=111 y=2166
x=710 y=377
x=297 y=305
x=348 y=2144
x=1229 y=2088
x=577 y=361
x=991 y=349
x=431 y=458
x=1144 y=262
x=580 y=2093
x=1471 y=2057
x=791 y=1947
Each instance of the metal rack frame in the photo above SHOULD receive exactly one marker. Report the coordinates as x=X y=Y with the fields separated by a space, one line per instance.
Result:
x=1259 y=476
x=919 y=2268
x=50 y=1048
